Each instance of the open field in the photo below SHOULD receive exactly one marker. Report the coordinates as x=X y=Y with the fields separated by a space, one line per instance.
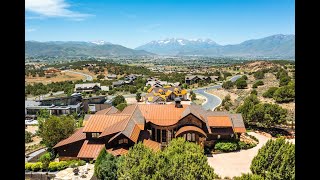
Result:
x=63 y=76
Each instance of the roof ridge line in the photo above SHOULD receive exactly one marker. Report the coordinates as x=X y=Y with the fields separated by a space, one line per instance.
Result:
x=136 y=105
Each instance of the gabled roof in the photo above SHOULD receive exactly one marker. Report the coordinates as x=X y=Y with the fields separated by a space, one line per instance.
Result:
x=77 y=136
x=98 y=123
x=110 y=110
x=219 y=121
x=162 y=115
x=90 y=149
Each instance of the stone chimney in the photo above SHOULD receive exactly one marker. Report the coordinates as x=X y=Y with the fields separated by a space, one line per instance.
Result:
x=178 y=103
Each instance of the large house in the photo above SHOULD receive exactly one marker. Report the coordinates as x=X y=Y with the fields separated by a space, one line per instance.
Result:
x=164 y=94
x=87 y=87
x=153 y=125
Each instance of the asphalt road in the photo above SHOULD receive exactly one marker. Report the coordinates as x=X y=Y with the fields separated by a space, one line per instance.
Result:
x=212 y=101
x=88 y=77
x=234 y=78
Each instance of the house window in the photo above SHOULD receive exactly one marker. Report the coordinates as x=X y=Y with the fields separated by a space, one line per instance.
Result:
x=188 y=137
x=124 y=140
x=219 y=136
x=169 y=136
x=164 y=135
x=95 y=135
x=193 y=137
x=158 y=135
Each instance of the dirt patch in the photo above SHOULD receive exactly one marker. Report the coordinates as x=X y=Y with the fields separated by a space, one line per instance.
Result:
x=62 y=76
x=32 y=129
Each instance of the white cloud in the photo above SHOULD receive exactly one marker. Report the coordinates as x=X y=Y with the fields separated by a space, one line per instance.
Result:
x=53 y=8
x=30 y=29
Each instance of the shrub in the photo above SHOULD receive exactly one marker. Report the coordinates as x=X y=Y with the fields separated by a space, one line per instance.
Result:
x=284 y=94
x=227 y=85
x=226 y=146
x=257 y=83
x=36 y=166
x=269 y=93
x=53 y=166
x=27 y=136
x=241 y=83
x=75 y=163
x=243 y=145
x=28 y=166
x=62 y=165
x=254 y=92
x=45 y=160
x=249 y=177
x=121 y=106
x=284 y=81
x=245 y=77
x=258 y=75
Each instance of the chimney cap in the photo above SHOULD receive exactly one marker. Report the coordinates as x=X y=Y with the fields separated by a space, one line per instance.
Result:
x=177 y=99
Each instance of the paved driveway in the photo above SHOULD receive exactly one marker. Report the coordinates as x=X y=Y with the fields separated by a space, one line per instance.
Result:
x=234 y=163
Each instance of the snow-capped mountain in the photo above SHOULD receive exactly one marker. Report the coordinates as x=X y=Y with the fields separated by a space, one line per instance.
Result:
x=172 y=46
x=278 y=45
x=99 y=42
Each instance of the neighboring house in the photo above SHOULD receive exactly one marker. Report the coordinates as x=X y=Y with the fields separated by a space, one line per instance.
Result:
x=111 y=76
x=94 y=104
x=57 y=106
x=118 y=83
x=87 y=87
x=166 y=93
x=192 y=79
x=130 y=77
x=152 y=124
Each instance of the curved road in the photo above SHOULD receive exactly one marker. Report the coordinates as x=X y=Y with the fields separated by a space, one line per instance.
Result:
x=234 y=78
x=88 y=77
x=212 y=100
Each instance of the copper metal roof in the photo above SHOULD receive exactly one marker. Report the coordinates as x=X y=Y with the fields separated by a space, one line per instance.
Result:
x=135 y=133
x=117 y=151
x=98 y=123
x=190 y=128
x=90 y=149
x=219 y=121
x=155 y=146
x=162 y=115
x=239 y=129
x=110 y=110
x=77 y=136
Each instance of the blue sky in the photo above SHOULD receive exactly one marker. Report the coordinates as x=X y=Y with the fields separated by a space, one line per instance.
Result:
x=133 y=23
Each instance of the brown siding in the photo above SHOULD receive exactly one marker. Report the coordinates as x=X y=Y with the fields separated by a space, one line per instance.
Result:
x=69 y=150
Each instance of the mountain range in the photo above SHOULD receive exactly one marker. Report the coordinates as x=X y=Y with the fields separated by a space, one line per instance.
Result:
x=280 y=46
x=79 y=48
x=272 y=46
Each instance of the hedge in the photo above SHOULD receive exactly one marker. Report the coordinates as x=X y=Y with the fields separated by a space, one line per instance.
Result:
x=36 y=166
x=226 y=146
x=232 y=145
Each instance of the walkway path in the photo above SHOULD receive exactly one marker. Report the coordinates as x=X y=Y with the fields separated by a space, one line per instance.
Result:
x=234 y=163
